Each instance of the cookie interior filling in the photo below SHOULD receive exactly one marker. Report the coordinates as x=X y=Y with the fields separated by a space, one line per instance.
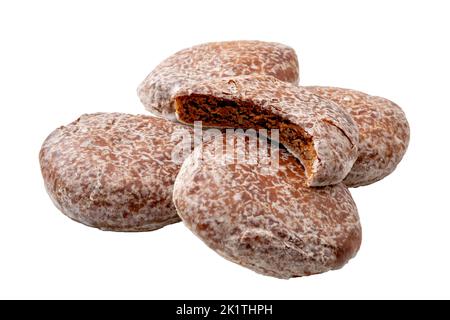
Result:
x=225 y=113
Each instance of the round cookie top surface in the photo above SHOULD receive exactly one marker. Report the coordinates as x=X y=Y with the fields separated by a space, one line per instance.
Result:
x=114 y=171
x=383 y=133
x=262 y=215
x=215 y=60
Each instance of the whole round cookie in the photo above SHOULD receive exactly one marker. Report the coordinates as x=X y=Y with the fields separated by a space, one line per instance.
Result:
x=214 y=60
x=115 y=171
x=262 y=215
x=383 y=133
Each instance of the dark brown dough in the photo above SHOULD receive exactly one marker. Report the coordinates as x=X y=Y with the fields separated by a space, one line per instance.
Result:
x=318 y=132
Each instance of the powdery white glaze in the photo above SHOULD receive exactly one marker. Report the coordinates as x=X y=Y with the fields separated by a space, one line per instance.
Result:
x=383 y=133
x=113 y=171
x=333 y=131
x=266 y=220
x=214 y=60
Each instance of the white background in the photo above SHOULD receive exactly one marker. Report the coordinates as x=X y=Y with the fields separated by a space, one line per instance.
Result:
x=59 y=59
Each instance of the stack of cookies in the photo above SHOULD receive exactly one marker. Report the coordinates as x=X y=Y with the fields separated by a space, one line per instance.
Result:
x=255 y=165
